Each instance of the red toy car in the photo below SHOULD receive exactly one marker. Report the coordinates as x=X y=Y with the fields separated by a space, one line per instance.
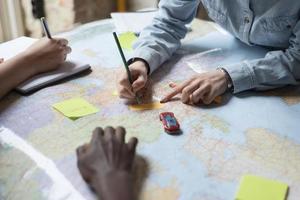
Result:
x=170 y=123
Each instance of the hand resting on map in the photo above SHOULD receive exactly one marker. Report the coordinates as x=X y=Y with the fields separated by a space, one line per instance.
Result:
x=105 y=163
x=202 y=88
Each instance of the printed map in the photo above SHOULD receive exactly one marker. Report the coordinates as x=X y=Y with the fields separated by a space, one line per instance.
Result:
x=251 y=133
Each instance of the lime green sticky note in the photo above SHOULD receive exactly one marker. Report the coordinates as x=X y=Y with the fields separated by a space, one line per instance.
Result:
x=259 y=188
x=127 y=39
x=75 y=108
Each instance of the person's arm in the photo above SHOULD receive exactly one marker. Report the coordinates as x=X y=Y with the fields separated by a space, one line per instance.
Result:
x=106 y=163
x=13 y=72
x=276 y=69
x=44 y=55
x=157 y=43
x=161 y=39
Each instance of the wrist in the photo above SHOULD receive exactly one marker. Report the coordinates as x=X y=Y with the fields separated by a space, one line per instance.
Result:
x=22 y=67
x=27 y=63
x=114 y=185
x=145 y=63
x=227 y=77
x=142 y=67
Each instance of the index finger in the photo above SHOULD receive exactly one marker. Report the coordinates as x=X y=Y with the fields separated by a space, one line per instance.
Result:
x=124 y=82
x=177 y=90
x=171 y=95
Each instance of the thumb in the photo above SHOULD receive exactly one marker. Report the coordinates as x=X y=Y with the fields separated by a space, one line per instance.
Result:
x=139 y=83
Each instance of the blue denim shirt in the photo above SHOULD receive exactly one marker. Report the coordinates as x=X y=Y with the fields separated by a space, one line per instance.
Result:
x=271 y=23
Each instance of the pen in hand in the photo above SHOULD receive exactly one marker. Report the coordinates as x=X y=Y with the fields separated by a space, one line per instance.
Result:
x=45 y=27
x=125 y=64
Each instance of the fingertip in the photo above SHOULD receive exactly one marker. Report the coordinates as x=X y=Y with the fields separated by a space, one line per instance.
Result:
x=125 y=85
x=78 y=151
x=121 y=129
x=163 y=100
x=132 y=144
x=207 y=101
x=120 y=133
x=62 y=41
x=185 y=101
x=126 y=94
x=121 y=96
x=166 y=98
x=172 y=85
x=69 y=50
x=136 y=84
x=81 y=149
x=122 y=80
x=109 y=132
x=218 y=100
x=97 y=134
x=109 y=129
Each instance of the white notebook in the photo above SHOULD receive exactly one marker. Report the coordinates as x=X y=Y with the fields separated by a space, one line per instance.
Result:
x=71 y=67
x=135 y=21
x=132 y=21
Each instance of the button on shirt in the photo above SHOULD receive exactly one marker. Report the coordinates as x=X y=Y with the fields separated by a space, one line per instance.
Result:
x=272 y=23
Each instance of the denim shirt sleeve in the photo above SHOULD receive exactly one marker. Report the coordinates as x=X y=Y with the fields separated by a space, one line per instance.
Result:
x=276 y=69
x=161 y=39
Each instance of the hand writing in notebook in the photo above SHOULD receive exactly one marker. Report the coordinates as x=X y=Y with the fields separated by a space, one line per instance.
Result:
x=42 y=56
x=46 y=55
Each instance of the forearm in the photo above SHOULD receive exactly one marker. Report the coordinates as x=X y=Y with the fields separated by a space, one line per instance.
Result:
x=13 y=72
x=115 y=186
x=161 y=39
x=277 y=69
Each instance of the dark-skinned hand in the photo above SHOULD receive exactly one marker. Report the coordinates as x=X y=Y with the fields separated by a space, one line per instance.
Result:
x=106 y=163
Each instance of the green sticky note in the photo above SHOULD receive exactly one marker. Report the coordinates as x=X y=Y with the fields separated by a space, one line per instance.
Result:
x=127 y=39
x=75 y=108
x=259 y=188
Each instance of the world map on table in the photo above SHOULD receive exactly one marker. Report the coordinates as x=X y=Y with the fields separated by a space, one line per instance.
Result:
x=252 y=133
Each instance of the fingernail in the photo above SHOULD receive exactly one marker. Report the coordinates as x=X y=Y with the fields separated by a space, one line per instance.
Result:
x=172 y=85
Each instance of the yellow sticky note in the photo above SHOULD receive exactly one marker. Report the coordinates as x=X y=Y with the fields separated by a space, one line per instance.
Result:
x=75 y=108
x=259 y=188
x=90 y=53
x=127 y=40
x=148 y=106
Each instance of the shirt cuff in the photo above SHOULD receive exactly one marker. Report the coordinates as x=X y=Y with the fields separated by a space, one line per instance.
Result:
x=152 y=59
x=242 y=76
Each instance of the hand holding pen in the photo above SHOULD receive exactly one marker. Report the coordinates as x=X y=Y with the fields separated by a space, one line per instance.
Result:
x=62 y=42
x=132 y=81
x=46 y=54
